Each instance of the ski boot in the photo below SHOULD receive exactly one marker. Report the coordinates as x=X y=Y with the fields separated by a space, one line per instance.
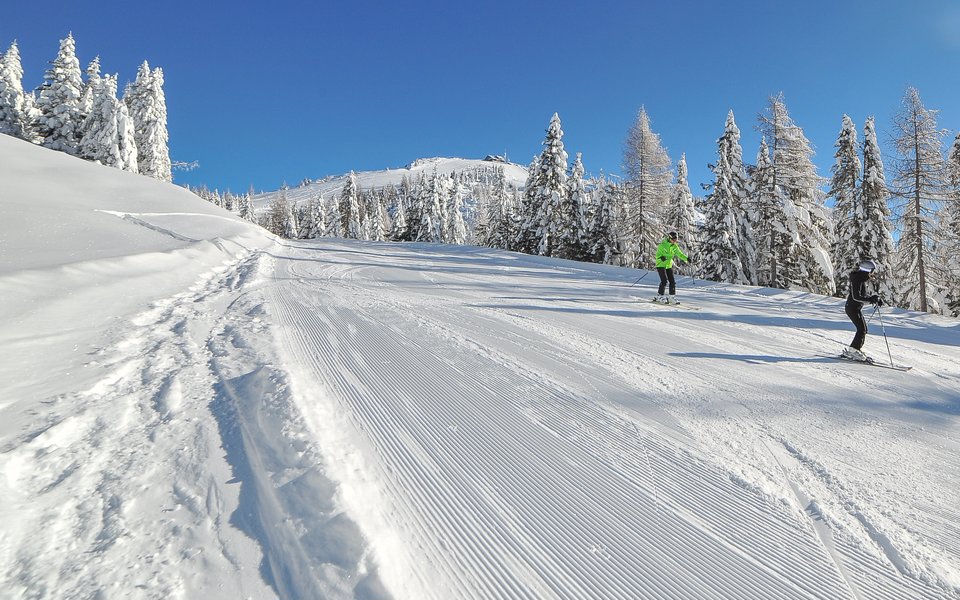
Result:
x=853 y=354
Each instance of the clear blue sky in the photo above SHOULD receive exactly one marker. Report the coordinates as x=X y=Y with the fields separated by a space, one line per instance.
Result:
x=264 y=92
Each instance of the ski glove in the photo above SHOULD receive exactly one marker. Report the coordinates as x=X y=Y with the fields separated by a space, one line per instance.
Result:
x=876 y=300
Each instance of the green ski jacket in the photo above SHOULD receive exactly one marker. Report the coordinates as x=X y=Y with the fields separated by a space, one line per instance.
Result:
x=667 y=251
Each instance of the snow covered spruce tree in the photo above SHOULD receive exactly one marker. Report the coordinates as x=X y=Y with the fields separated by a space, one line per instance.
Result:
x=398 y=227
x=100 y=140
x=419 y=221
x=527 y=213
x=148 y=108
x=107 y=131
x=349 y=207
x=279 y=219
x=481 y=216
x=89 y=87
x=735 y=177
x=948 y=246
x=721 y=248
x=499 y=229
x=366 y=223
x=332 y=219
x=848 y=214
x=456 y=228
x=433 y=197
x=389 y=206
x=876 y=227
x=380 y=221
x=311 y=218
x=804 y=261
x=245 y=207
x=15 y=105
x=603 y=240
x=445 y=185
x=424 y=218
x=59 y=119
x=568 y=219
x=418 y=224
x=920 y=181
x=545 y=196
x=774 y=242
x=680 y=215
x=646 y=167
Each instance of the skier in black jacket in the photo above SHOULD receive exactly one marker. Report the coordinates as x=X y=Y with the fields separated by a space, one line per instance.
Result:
x=854 y=308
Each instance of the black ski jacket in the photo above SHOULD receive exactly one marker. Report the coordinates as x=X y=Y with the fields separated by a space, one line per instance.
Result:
x=858 y=288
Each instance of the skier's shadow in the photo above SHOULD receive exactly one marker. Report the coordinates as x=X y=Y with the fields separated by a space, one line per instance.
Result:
x=754 y=358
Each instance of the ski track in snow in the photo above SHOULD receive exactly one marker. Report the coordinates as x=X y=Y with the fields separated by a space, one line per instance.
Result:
x=90 y=519
x=377 y=421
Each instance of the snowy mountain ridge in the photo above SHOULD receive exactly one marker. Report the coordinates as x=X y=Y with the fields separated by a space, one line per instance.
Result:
x=190 y=407
x=330 y=186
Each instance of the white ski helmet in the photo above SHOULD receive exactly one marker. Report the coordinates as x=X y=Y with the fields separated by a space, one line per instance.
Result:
x=868 y=265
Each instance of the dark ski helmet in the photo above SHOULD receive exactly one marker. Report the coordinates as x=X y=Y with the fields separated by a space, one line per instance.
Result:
x=868 y=265
x=672 y=235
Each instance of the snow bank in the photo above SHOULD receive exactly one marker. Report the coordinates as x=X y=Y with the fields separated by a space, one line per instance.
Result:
x=84 y=248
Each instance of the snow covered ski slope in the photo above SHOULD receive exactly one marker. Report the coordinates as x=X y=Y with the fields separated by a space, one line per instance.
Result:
x=191 y=408
x=513 y=427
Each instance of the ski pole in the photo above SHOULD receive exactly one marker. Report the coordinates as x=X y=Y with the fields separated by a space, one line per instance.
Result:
x=638 y=281
x=873 y=314
x=883 y=329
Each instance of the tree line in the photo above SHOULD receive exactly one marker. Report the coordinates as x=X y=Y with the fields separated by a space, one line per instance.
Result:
x=435 y=207
x=83 y=116
x=765 y=223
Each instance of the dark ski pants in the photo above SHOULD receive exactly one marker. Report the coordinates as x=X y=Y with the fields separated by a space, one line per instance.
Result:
x=854 y=310
x=665 y=276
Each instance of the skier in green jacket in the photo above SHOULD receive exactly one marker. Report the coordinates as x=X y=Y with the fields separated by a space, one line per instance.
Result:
x=666 y=252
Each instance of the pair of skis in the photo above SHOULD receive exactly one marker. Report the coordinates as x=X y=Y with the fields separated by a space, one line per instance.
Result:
x=872 y=363
x=675 y=305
